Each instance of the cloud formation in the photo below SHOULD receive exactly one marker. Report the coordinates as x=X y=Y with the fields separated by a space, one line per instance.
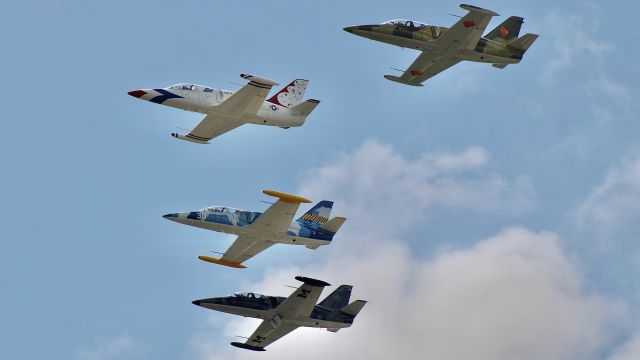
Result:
x=515 y=295
x=119 y=347
x=376 y=180
x=615 y=203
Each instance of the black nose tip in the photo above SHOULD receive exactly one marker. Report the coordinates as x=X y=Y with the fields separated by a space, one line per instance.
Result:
x=348 y=29
x=196 y=302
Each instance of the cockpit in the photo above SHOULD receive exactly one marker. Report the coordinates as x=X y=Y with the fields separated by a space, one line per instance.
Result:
x=223 y=209
x=407 y=23
x=250 y=295
x=191 y=87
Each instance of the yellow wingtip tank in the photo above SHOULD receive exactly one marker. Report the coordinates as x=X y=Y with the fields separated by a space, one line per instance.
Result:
x=223 y=262
x=294 y=199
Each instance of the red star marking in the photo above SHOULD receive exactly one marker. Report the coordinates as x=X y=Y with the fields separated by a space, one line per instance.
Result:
x=504 y=31
x=416 y=72
x=468 y=24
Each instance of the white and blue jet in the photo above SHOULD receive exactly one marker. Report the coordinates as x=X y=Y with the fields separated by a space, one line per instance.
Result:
x=225 y=110
x=258 y=231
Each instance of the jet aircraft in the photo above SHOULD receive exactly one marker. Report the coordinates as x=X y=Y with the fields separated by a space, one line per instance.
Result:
x=283 y=315
x=258 y=231
x=444 y=47
x=225 y=110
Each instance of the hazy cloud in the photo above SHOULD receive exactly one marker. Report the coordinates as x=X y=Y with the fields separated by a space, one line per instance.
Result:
x=119 y=347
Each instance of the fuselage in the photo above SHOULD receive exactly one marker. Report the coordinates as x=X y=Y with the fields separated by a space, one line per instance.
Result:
x=265 y=307
x=204 y=100
x=416 y=35
x=235 y=221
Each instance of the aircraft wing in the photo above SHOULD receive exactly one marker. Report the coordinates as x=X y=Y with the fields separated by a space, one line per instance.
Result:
x=427 y=65
x=274 y=222
x=466 y=33
x=298 y=305
x=265 y=335
x=213 y=125
x=303 y=300
x=248 y=99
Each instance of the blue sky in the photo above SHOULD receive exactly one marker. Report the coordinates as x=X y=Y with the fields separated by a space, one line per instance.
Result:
x=543 y=154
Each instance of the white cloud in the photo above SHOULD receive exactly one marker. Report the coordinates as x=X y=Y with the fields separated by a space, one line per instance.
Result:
x=516 y=295
x=574 y=36
x=512 y=296
x=119 y=347
x=615 y=203
x=382 y=191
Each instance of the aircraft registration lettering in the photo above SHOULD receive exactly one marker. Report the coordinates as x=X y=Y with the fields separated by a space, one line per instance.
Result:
x=304 y=292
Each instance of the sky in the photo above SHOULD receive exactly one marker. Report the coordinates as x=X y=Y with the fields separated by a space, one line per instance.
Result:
x=492 y=214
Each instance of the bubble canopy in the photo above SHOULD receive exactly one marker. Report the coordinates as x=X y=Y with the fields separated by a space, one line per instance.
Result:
x=403 y=22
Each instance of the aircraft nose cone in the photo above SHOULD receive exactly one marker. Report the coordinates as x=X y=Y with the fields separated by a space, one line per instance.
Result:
x=196 y=302
x=349 y=29
x=137 y=93
x=170 y=216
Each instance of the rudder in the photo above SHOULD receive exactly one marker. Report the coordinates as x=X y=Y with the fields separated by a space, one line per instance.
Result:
x=319 y=213
x=338 y=299
x=508 y=30
x=291 y=95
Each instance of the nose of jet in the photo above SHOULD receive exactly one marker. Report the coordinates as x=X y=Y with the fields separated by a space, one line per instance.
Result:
x=137 y=93
x=349 y=29
x=196 y=302
x=171 y=216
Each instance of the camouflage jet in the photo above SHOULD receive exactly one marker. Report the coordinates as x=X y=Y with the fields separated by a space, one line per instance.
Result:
x=444 y=47
x=225 y=110
x=283 y=315
x=258 y=231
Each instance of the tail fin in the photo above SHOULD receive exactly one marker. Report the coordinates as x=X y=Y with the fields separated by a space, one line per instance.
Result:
x=524 y=42
x=305 y=108
x=319 y=213
x=508 y=30
x=354 y=308
x=338 y=299
x=334 y=224
x=291 y=95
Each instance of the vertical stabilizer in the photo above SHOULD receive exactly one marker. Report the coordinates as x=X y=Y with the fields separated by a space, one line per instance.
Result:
x=291 y=95
x=338 y=299
x=319 y=213
x=508 y=30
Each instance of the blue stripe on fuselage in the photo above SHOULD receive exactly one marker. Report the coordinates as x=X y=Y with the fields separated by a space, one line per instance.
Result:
x=166 y=95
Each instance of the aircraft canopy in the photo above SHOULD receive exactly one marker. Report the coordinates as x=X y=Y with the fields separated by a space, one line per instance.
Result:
x=192 y=87
x=409 y=23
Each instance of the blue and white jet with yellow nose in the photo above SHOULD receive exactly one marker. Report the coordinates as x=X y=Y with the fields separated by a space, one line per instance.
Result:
x=226 y=110
x=258 y=231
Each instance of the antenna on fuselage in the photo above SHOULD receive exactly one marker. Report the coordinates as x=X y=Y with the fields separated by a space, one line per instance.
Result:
x=232 y=83
x=267 y=202
x=397 y=70
x=454 y=15
x=293 y=287
x=216 y=252
x=243 y=337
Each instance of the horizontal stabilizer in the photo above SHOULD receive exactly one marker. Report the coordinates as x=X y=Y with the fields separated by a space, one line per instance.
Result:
x=334 y=224
x=523 y=42
x=305 y=108
x=189 y=138
x=399 y=80
x=259 y=80
x=354 y=308
x=478 y=10
x=312 y=282
x=228 y=263
x=294 y=199
x=247 y=346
